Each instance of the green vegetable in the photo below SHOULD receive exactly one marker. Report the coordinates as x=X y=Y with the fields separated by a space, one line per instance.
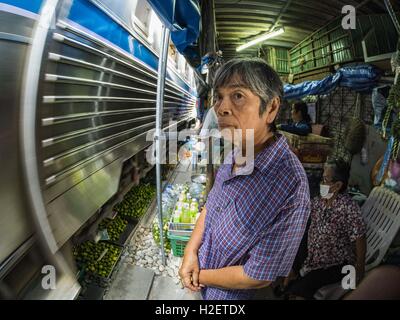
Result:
x=136 y=201
x=98 y=258
x=115 y=227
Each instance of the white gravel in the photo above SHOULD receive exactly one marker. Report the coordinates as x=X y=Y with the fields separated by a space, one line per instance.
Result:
x=144 y=252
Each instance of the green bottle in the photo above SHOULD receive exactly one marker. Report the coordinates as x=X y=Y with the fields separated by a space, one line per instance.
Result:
x=185 y=217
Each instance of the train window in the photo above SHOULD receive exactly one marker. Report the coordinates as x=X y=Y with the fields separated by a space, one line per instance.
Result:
x=120 y=10
x=155 y=28
x=172 y=54
x=136 y=16
x=190 y=76
x=181 y=64
x=187 y=68
x=142 y=17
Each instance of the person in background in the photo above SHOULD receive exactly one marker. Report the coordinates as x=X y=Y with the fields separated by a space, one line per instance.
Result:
x=301 y=120
x=336 y=235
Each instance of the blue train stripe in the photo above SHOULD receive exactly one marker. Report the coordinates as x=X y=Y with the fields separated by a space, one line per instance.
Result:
x=18 y=11
x=29 y=5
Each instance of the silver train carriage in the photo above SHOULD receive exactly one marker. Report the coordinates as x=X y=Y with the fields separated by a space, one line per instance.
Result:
x=78 y=98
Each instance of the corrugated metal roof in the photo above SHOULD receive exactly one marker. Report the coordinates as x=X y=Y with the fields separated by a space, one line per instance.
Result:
x=238 y=21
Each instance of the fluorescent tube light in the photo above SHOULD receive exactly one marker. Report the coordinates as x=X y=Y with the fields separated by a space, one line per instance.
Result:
x=261 y=38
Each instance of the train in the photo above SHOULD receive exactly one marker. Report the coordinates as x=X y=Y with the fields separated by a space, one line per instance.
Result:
x=79 y=85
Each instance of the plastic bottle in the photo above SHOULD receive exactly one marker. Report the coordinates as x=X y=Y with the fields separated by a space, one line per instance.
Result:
x=185 y=217
x=194 y=160
x=177 y=215
x=179 y=205
x=195 y=204
x=193 y=213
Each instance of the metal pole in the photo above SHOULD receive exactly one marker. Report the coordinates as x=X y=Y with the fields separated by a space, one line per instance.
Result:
x=162 y=67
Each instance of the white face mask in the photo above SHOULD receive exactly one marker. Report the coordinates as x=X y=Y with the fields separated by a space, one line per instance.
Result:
x=324 y=191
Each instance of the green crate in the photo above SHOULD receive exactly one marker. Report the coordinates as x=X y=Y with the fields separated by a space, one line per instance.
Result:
x=178 y=244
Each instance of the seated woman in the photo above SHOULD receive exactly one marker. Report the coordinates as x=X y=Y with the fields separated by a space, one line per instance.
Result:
x=336 y=236
x=301 y=120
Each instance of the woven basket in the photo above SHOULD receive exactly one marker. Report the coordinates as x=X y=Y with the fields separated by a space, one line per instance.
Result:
x=355 y=131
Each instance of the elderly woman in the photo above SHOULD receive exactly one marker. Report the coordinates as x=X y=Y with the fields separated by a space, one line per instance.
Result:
x=256 y=213
x=336 y=236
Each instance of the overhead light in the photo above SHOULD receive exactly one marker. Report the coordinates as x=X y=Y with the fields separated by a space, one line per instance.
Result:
x=261 y=38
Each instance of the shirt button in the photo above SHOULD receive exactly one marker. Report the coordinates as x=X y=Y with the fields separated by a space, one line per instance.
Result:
x=218 y=209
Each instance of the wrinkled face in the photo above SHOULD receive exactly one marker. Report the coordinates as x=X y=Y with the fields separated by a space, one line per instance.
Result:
x=237 y=107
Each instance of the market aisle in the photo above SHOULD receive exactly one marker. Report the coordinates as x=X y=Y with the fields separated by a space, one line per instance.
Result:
x=167 y=288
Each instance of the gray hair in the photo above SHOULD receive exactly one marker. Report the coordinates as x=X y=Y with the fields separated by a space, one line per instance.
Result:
x=254 y=74
x=341 y=171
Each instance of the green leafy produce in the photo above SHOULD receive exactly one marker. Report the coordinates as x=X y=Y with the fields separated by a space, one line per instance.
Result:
x=136 y=201
x=156 y=235
x=115 y=227
x=98 y=258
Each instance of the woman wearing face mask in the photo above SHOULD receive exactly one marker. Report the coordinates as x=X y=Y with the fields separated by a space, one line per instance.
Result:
x=336 y=236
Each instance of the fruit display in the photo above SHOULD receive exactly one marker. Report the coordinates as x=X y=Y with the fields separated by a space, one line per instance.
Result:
x=136 y=201
x=115 y=227
x=156 y=234
x=97 y=258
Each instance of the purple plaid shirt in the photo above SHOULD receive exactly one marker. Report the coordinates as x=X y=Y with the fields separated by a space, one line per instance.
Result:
x=256 y=220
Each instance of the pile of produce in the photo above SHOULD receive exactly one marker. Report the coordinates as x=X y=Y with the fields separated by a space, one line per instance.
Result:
x=115 y=227
x=136 y=201
x=98 y=258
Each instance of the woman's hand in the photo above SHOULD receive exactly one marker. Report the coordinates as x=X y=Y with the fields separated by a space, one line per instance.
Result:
x=189 y=271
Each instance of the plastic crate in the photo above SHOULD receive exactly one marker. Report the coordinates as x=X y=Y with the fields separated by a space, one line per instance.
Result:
x=180 y=229
x=178 y=244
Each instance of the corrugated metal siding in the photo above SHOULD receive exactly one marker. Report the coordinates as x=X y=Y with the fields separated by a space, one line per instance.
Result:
x=332 y=44
x=96 y=100
x=278 y=58
x=383 y=36
x=282 y=60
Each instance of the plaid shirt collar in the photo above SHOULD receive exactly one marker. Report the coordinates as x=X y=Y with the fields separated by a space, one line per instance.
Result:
x=271 y=154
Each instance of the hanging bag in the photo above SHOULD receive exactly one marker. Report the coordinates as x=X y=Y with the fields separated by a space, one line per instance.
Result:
x=356 y=131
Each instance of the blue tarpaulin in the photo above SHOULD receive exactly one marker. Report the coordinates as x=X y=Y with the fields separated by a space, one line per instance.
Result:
x=182 y=18
x=361 y=78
